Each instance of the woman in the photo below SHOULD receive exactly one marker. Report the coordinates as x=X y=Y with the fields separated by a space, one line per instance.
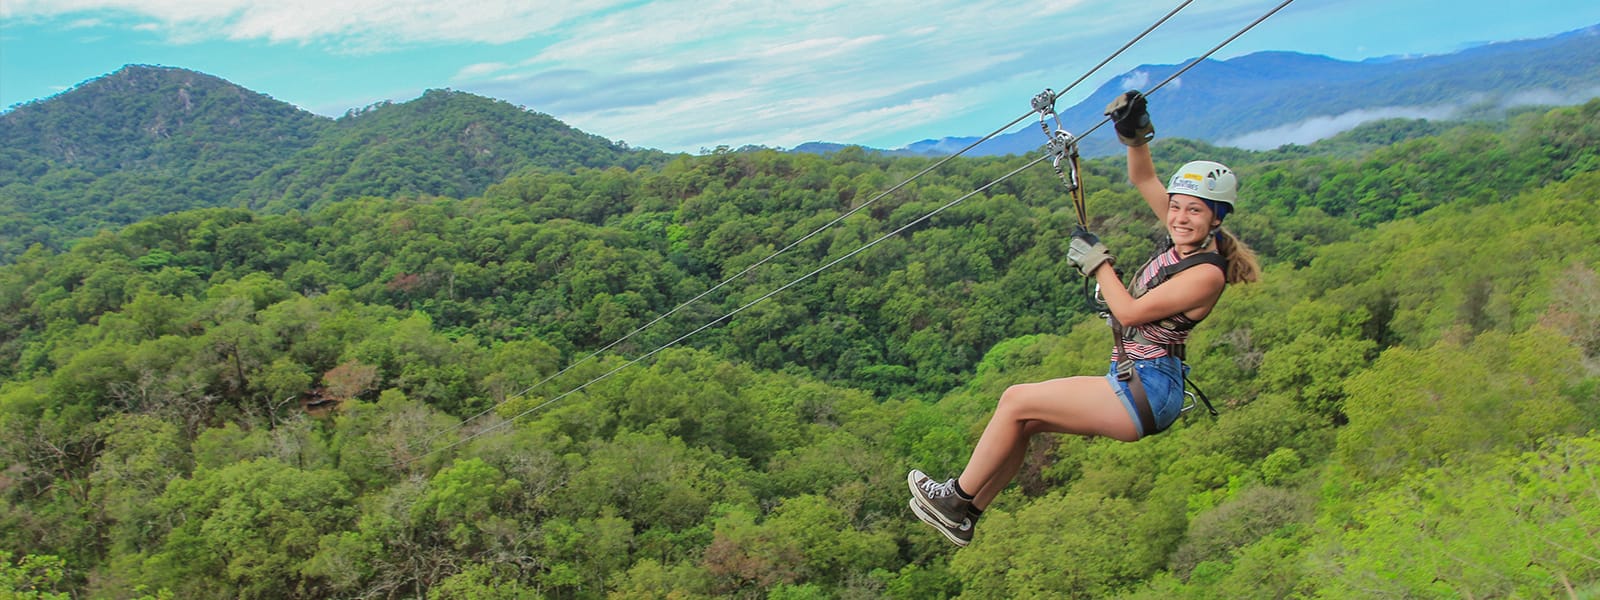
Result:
x=1158 y=311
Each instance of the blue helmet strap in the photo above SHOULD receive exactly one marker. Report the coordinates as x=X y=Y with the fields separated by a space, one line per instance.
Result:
x=1221 y=209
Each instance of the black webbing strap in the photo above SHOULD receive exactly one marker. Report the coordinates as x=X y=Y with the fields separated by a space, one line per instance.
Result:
x=1167 y=272
x=1127 y=374
x=1125 y=370
x=1203 y=258
x=1200 y=394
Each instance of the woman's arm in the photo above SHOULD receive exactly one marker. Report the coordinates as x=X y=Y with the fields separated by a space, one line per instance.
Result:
x=1186 y=291
x=1142 y=174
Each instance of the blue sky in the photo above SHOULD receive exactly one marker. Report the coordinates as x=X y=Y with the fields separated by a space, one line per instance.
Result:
x=686 y=75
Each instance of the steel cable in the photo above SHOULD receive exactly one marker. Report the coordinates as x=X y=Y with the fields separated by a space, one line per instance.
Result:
x=824 y=227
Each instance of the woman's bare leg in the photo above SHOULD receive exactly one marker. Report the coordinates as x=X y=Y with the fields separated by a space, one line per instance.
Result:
x=1077 y=405
x=1013 y=464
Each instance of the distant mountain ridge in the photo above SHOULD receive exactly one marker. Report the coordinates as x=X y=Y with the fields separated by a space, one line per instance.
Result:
x=142 y=116
x=1225 y=101
x=160 y=118
x=149 y=140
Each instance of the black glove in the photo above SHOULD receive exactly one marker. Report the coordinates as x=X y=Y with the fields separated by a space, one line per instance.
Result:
x=1087 y=253
x=1131 y=119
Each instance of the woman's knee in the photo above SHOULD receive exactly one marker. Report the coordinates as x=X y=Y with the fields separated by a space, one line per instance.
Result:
x=1012 y=398
x=1020 y=401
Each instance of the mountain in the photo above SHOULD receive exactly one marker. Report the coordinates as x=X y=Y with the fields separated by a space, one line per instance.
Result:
x=139 y=142
x=150 y=140
x=155 y=118
x=1265 y=99
x=445 y=143
x=146 y=140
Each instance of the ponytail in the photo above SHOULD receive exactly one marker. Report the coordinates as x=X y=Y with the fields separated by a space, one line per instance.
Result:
x=1242 y=264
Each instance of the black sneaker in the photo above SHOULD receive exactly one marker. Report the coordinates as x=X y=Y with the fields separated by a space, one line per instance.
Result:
x=937 y=500
x=960 y=535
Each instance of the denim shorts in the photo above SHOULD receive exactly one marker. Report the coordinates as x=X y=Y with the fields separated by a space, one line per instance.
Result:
x=1163 y=386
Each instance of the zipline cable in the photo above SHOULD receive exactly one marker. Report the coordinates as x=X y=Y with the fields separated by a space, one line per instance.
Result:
x=814 y=233
x=736 y=311
x=1201 y=58
x=852 y=253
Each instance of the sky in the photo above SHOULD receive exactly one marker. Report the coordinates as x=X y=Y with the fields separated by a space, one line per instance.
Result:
x=692 y=75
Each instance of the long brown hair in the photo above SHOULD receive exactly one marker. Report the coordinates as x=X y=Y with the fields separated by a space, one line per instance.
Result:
x=1243 y=267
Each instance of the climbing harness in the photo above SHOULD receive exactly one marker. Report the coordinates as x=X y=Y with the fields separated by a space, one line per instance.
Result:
x=1121 y=335
x=1173 y=323
x=1062 y=150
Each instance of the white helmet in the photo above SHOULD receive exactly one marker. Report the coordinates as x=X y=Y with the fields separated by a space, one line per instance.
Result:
x=1206 y=180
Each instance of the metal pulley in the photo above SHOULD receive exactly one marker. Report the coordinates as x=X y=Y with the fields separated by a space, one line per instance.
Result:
x=1063 y=149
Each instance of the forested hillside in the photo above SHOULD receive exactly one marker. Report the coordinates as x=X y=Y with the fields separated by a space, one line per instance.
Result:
x=147 y=141
x=233 y=403
x=445 y=143
x=140 y=142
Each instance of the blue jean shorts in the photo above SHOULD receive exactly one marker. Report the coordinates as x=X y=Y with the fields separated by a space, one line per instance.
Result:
x=1163 y=386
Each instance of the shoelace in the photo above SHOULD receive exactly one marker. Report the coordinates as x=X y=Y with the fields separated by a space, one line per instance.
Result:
x=936 y=489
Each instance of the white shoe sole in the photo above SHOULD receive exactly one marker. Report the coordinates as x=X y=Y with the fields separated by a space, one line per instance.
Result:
x=929 y=519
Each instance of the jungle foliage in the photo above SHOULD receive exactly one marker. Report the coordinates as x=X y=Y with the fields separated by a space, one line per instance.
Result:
x=223 y=402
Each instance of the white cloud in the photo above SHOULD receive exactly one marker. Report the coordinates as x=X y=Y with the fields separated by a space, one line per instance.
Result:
x=799 y=73
x=481 y=70
x=1549 y=97
x=1321 y=127
x=1316 y=128
x=685 y=74
x=1136 y=80
x=361 y=23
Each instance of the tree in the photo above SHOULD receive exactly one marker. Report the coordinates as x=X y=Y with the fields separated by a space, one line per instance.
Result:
x=1060 y=546
x=142 y=454
x=247 y=530
x=1506 y=524
x=1415 y=408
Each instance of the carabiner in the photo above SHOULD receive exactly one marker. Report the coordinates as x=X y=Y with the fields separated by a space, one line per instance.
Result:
x=1063 y=146
x=1189 y=403
x=1045 y=105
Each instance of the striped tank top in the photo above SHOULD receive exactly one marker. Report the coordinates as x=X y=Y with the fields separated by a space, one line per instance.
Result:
x=1154 y=331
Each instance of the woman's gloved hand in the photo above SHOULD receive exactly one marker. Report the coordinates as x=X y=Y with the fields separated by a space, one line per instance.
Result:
x=1087 y=253
x=1131 y=118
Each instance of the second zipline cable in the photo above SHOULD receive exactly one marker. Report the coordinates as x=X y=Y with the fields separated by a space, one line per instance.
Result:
x=814 y=233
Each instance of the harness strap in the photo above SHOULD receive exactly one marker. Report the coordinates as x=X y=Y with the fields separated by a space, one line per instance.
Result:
x=1202 y=395
x=1127 y=374
x=1167 y=272
x=1125 y=370
x=1138 y=337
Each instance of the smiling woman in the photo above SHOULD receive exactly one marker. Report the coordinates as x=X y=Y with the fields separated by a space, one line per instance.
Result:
x=1142 y=394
